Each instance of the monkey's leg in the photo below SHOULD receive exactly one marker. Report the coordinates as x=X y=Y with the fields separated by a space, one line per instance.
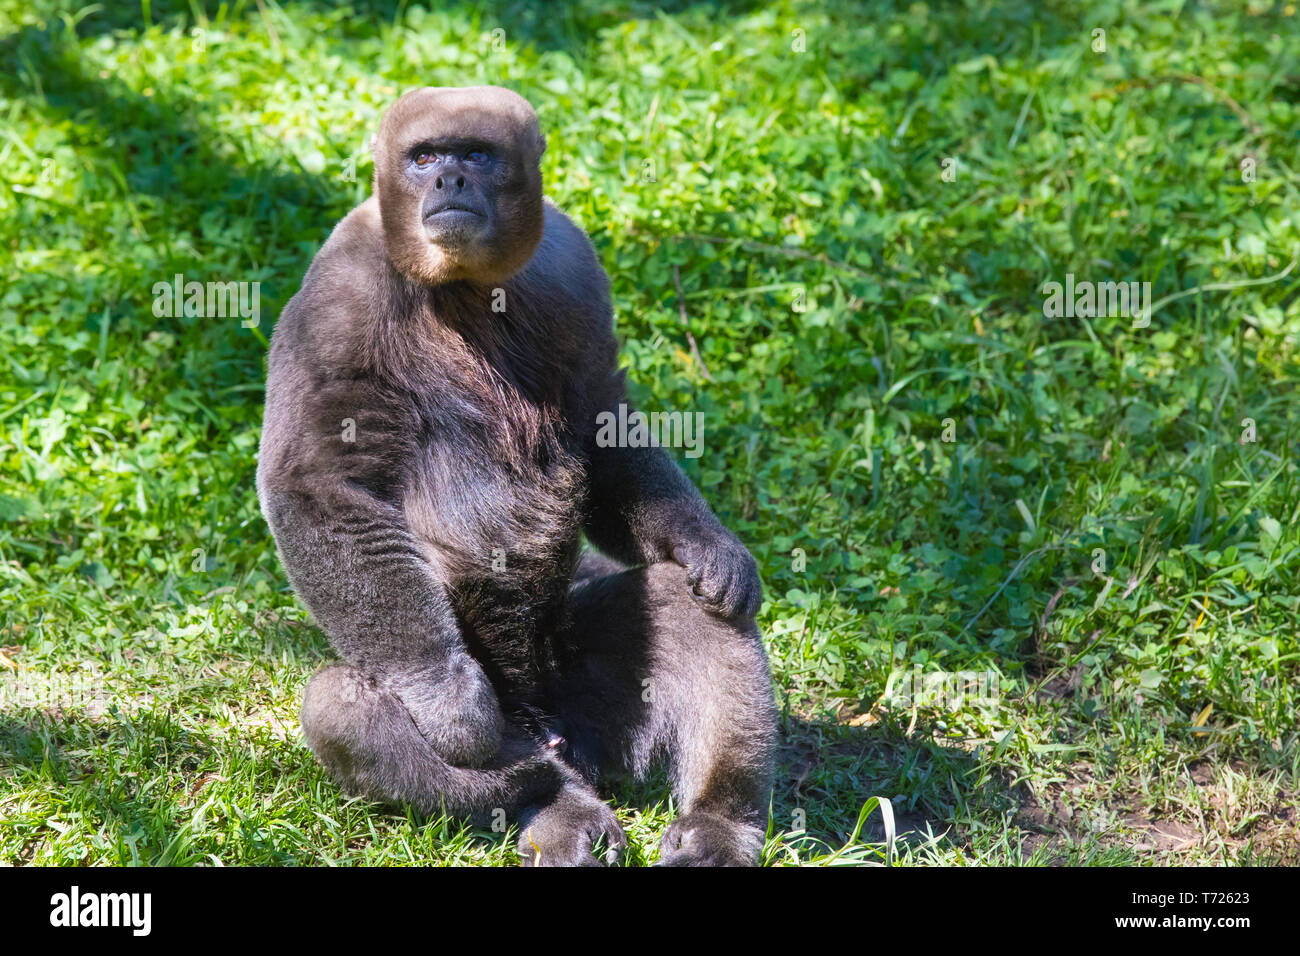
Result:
x=647 y=671
x=593 y=564
x=360 y=570
x=365 y=737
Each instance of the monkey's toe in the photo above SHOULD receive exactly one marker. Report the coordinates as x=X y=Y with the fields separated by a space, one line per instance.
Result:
x=566 y=832
x=703 y=839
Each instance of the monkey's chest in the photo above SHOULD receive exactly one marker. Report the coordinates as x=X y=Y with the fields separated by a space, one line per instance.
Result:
x=502 y=528
x=500 y=508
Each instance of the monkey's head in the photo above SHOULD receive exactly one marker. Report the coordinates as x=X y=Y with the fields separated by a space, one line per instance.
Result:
x=459 y=185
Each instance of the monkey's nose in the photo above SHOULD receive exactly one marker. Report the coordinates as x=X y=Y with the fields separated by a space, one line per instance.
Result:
x=458 y=183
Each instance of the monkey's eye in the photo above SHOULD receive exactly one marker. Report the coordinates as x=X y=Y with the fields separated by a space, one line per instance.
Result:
x=476 y=156
x=425 y=158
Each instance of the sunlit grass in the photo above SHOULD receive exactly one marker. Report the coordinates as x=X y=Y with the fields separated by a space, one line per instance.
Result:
x=930 y=471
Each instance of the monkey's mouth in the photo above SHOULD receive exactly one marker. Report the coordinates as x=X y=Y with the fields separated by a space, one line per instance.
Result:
x=452 y=213
x=455 y=224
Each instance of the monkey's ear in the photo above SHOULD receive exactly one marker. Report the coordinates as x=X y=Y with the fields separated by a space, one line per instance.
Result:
x=374 y=141
x=542 y=147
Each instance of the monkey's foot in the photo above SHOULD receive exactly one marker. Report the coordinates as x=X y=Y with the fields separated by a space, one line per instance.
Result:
x=704 y=839
x=564 y=833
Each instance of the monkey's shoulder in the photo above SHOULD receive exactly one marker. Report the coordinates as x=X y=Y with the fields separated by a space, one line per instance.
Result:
x=565 y=267
x=355 y=249
x=349 y=286
x=352 y=269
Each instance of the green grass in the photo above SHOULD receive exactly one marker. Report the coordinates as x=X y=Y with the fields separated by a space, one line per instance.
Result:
x=846 y=300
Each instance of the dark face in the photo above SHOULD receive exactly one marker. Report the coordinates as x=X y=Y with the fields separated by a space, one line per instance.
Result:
x=458 y=178
x=460 y=192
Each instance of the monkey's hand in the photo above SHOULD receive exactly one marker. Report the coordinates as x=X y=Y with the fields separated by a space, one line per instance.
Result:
x=722 y=574
x=455 y=708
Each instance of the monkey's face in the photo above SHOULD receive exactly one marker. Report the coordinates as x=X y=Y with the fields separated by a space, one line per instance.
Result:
x=460 y=191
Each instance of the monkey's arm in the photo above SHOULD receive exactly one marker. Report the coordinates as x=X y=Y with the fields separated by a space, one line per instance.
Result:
x=642 y=509
x=357 y=566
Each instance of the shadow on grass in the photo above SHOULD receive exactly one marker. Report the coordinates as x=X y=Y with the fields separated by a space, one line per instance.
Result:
x=825 y=773
x=566 y=26
x=168 y=149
